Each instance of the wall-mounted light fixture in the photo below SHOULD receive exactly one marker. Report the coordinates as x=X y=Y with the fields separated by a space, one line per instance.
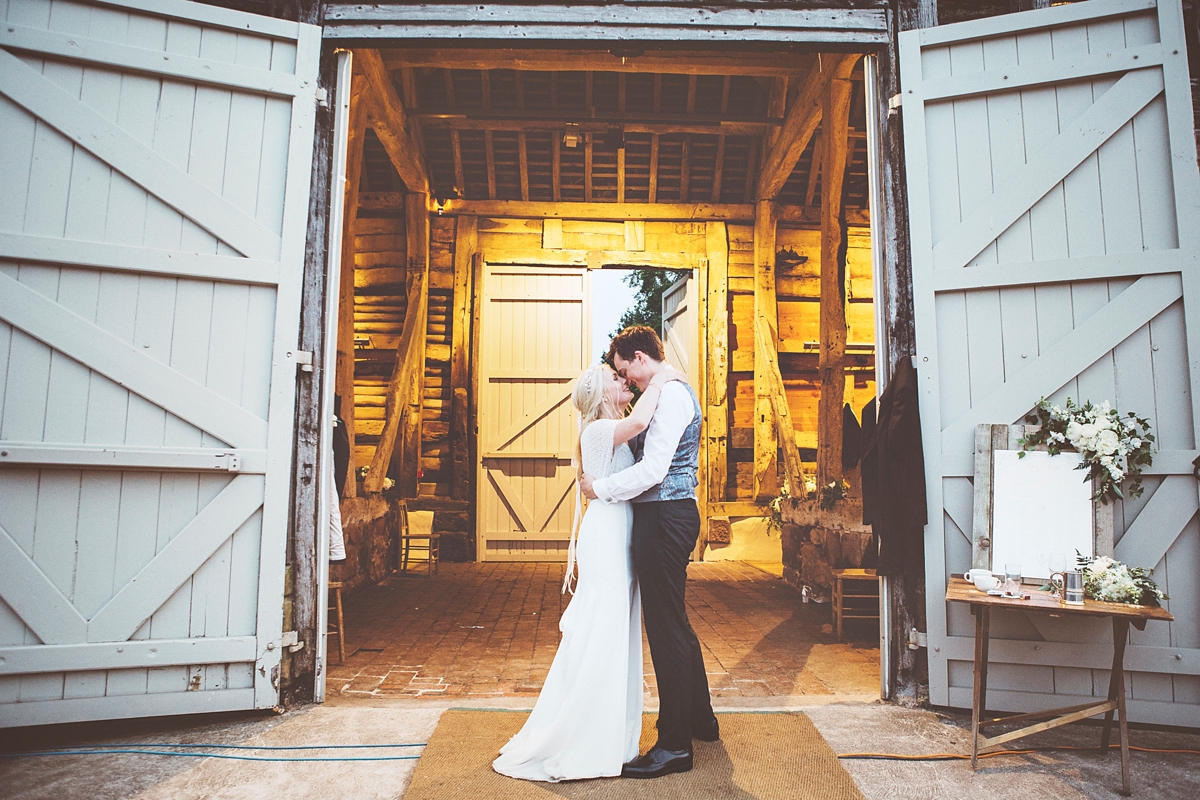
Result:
x=572 y=137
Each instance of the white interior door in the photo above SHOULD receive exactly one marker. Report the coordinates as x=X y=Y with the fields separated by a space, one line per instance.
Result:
x=1055 y=219
x=155 y=164
x=680 y=327
x=534 y=343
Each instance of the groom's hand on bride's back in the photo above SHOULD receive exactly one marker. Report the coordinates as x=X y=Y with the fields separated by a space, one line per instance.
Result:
x=585 y=486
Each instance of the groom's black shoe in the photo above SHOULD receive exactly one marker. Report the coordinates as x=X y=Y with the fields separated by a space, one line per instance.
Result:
x=706 y=731
x=658 y=762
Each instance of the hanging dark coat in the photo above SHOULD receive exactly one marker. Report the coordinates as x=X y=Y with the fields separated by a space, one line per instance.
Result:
x=895 y=494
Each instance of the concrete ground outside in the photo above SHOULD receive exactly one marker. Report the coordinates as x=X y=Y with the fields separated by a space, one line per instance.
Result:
x=848 y=727
x=479 y=636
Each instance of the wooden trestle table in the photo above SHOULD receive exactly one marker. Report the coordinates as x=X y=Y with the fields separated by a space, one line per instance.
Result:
x=1123 y=615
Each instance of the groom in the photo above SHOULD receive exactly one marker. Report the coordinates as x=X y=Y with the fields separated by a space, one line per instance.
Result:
x=666 y=523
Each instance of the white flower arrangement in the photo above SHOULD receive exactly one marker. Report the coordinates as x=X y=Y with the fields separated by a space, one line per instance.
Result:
x=1114 y=582
x=1114 y=448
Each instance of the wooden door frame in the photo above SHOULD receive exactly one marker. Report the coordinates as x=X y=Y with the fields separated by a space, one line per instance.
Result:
x=592 y=260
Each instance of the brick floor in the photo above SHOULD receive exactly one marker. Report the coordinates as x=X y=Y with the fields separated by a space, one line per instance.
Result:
x=491 y=630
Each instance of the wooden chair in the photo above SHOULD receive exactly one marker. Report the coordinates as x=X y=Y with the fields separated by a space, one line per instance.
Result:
x=416 y=533
x=336 y=629
x=859 y=607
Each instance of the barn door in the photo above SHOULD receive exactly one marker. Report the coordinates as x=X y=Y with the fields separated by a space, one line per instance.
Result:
x=533 y=345
x=680 y=327
x=155 y=165
x=1055 y=219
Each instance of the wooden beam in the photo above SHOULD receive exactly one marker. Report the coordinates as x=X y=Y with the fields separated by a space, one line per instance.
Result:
x=718 y=169
x=764 y=344
x=460 y=181
x=653 y=168
x=691 y=94
x=489 y=150
x=835 y=120
x=765 y=312
x=621 y=175
x=800 y=123
x=407 y=459
x=523 y=164
x=814 y=171
x=751 y=172
x=776 y=108
x=695 y=62
x=344 y=377
x=410 y=359
x=556 y=168
x=700 y=297
x=587 y=166
x=466 y=242
x=390 y=122
x=717 y=380
x=663 y=124
x=678 y=212
x=685 y=170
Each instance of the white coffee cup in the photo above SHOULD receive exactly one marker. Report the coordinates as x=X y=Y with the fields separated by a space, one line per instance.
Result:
x=986 y=582
x=970 y=576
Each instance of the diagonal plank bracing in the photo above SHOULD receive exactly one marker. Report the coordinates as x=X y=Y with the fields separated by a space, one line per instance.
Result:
x=140 y=59
x=124 y=364
x=1072 y=354
x=512 y=499
x=553 y=401
x=47 y=101
x=154 y=584
x=1158 y=524
x=36 y=600
x=1024 y=185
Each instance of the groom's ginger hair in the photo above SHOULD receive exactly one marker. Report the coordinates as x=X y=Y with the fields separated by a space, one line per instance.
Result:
x=635 y=338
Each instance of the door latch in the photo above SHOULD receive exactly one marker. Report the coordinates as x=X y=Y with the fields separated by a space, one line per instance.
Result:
x=302 y=359
x=231 y=462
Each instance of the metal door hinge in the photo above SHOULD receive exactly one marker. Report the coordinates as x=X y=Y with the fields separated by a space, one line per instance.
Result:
x=228 y=461
x=302 y=359
x=291 y=640
x=917 y=639
x=322 y=97
x=894 y=104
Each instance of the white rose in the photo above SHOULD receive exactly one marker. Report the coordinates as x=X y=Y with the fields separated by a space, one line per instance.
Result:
x=1107 y=442
x=1135 y=443
x=1104 y=423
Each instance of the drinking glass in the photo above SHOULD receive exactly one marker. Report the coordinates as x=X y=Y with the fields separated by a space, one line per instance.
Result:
x=1012 y=578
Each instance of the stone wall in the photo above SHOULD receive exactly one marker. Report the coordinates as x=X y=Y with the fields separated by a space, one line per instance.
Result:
x=369 y=525
x=816 y=541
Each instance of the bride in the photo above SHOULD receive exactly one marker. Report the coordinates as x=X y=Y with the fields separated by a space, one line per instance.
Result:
x=588 y=718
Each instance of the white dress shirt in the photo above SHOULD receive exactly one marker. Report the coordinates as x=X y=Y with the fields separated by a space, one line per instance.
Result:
x=674 y=413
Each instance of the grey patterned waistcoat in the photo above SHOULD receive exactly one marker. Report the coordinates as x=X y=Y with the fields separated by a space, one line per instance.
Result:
x=680 y=480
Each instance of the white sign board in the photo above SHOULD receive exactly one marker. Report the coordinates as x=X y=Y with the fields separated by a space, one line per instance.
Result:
x=1041 y=506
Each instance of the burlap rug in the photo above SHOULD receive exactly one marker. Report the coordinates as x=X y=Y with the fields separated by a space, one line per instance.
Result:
x=759 y=757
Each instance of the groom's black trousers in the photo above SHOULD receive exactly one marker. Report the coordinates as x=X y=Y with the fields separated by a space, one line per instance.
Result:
x=664 y=535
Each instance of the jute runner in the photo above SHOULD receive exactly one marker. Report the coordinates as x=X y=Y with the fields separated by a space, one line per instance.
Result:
x=759 y=757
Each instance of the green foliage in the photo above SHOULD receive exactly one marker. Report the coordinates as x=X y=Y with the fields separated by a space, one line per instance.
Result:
x=648 y=286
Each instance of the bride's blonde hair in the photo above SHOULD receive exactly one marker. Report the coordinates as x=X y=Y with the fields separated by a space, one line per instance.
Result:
x=588 y=399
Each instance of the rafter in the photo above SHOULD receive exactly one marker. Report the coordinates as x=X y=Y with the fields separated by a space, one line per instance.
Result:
x=718 y=169
x=621 y=175
x=460 y=181
x=685 y=170
x=523 y=164
x=654 y=166
x=631 y=123
x=556 y=169
x=799 y=125
x=670 y=62
x=388 y=118
x=490 y=150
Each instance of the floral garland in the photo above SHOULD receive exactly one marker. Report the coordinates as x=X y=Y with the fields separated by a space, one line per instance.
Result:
x=1114 y=448
x=1114 y=582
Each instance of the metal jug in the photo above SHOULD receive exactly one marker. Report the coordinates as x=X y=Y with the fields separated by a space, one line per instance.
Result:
x=1069 y=584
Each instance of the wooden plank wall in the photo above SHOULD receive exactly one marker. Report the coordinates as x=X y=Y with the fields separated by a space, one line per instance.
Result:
x=798 y=293
x=380 y=308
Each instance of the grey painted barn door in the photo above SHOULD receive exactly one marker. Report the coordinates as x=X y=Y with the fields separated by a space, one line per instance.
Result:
x=1055 y=219
x=155 y=167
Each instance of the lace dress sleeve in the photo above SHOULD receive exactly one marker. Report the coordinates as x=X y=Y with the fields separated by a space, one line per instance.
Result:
x=596 y=446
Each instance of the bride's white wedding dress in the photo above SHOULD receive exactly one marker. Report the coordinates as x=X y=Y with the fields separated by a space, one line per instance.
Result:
x=588 y=718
